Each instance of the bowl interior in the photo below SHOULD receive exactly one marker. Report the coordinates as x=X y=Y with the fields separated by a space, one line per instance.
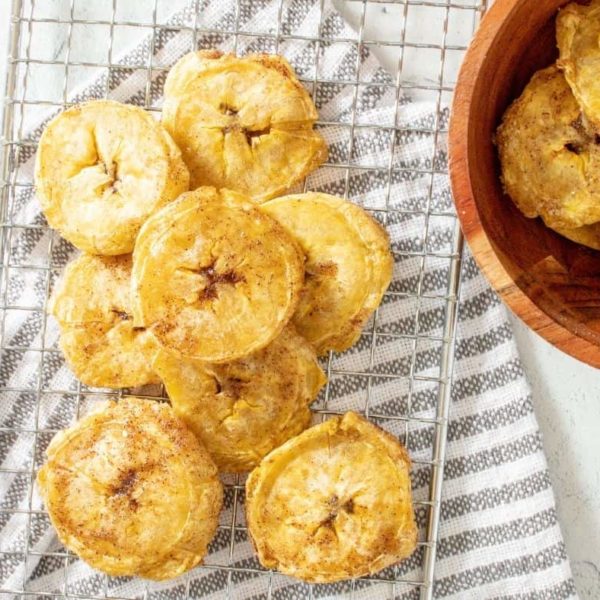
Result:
x=559 y=276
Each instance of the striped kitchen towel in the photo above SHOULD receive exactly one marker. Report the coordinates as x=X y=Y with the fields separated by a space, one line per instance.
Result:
x=499 y=536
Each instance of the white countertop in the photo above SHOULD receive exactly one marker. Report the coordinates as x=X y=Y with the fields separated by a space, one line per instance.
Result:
x=567 y=402
x=566 y=395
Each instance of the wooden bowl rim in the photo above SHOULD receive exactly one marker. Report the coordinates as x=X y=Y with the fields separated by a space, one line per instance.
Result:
x=562 y=336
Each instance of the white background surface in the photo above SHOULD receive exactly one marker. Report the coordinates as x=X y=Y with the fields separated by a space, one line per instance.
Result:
x=566 y=397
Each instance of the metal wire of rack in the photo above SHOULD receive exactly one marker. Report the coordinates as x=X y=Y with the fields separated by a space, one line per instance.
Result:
x=448 y=26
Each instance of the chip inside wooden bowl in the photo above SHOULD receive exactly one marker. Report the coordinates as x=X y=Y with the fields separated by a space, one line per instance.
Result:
x=551 y=283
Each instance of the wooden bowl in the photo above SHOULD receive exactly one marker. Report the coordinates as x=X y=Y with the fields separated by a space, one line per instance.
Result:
x=549 y=282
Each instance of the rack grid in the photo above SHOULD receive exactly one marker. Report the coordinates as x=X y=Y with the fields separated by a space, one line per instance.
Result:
x=38 y=400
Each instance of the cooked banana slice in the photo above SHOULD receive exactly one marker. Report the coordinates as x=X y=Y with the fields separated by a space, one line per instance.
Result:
x=214 y=277
x=243 y=409
x=332 y=503
x=131 y=491
x=588 y=235
x=92 y=305
x=550 y=161
x=242 y=123
x=101 y=169
x=577 y=34
x=186 y=69
x=349 y=266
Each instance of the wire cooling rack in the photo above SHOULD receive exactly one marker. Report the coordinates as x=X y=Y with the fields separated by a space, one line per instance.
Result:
x=57 y=49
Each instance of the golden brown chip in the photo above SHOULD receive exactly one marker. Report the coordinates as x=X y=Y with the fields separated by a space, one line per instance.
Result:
x=348 y=266
x=131 y=491
x=92 y=305
x=588 y=235
x=550 y=160
x=101 y=169
x=332 y=503
x=243 y=409
x=577 y=34
x=242 y=123
x=214 y=277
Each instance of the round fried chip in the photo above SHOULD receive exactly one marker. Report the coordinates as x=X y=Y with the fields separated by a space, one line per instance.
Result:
x=577 y=34
x=550 y=160
x=101 y=169
x=131 y=491
x=588 y=235
x=243 y=409
x=244 y=124
x=214 y=277
x=92 y=305
x=332 y=503
x=348 y=266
